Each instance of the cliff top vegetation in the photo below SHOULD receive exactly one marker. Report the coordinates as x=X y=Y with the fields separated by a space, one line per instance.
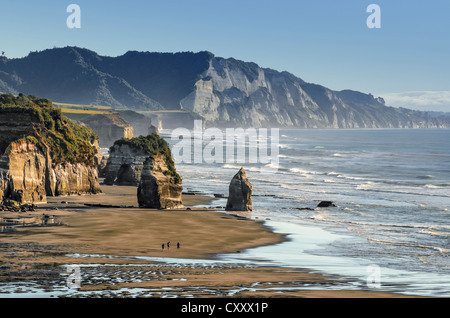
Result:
x=152 y=145
x=66 y=140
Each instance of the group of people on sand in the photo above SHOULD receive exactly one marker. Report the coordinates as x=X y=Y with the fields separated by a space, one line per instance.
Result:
x=168 y=245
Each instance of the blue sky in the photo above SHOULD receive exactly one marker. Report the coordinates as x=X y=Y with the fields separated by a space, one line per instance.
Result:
x=328 y=42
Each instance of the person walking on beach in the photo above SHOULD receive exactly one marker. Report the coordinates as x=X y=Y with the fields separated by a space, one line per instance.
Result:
x=178 y=245
x=168 y=245
x=162 y=246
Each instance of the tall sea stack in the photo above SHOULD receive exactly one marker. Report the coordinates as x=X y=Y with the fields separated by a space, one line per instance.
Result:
x=159 y=189
x=146 y=161
x=240 y=193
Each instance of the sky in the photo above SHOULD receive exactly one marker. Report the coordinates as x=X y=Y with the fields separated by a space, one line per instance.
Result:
x=328 y=42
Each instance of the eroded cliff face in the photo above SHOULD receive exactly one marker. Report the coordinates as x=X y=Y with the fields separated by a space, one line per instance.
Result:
x=235 y=93
x=75 y=179
x=142 y=125
x=203 y=100
x=27 y=175
x=23 y=169
x=242 y=94
x=158 y=189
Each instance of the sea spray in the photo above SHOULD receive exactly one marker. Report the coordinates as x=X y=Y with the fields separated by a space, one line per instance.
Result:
x=230 y=146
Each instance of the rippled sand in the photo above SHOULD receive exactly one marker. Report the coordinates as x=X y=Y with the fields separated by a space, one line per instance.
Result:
x=117 y=247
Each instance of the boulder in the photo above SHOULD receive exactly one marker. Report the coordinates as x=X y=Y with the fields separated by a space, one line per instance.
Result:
x=158 y=187
x=240 y=193
x=326 y=204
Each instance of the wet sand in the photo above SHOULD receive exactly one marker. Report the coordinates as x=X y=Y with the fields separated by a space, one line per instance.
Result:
x=112 y=230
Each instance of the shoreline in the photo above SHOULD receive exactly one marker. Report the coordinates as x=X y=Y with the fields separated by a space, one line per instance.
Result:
x=130 y=240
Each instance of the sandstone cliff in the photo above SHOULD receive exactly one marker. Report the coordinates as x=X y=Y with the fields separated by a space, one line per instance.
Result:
x=23 y=173
x=75 y=179
x=42 y=153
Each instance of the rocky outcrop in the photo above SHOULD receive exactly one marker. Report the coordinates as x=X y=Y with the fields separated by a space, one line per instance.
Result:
x=102 y=166
x=128 y=157
x=109 y=128
x=124 y=165
x=326 y=204
x=158 y=188
x=240 y=193
x=42 y=153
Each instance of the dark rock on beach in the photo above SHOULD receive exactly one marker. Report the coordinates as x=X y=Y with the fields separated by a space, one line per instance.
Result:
x=240 y=193
x=326 y=204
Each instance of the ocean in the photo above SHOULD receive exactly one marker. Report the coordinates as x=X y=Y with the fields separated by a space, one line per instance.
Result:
x=390 y=227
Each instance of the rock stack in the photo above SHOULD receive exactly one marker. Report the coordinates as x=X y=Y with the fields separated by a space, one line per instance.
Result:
x=240 y=193
x=158 y=188
x=146 y=162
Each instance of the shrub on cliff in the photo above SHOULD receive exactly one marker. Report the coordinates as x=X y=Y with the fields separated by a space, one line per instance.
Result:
x=67 y=141
x=152 y=145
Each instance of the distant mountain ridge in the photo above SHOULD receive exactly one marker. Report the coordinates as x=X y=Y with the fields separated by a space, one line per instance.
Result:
x=225 y=92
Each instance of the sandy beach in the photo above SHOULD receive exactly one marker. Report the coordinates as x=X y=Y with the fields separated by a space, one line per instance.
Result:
x=111 y=231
